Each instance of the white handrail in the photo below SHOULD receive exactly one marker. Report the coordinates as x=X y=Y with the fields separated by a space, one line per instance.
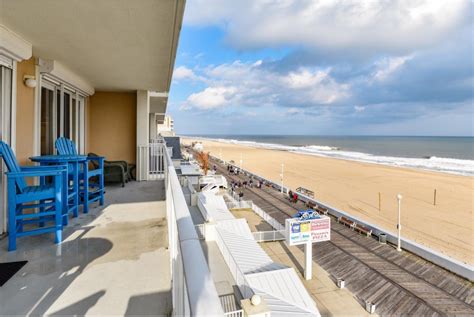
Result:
x=194 y=292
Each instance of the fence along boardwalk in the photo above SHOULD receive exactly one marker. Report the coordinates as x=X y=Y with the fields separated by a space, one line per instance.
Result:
x=399 y=283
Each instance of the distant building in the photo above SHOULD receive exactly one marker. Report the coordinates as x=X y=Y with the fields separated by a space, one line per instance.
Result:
x=167 y=127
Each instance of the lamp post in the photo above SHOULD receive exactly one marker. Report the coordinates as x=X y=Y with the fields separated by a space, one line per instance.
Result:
x=241 y=161
x=399 y=226
x=281 y=176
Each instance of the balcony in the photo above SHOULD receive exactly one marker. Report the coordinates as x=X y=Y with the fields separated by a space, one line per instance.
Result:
x=137 y=255
x=113 y=260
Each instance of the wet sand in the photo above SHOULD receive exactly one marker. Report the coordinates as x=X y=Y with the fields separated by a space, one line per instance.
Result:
x=354 y=187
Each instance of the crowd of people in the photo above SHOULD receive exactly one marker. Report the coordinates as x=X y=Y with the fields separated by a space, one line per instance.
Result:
x=238 y=186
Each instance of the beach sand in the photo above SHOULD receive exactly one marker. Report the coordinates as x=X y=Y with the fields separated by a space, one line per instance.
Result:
x=354 y=187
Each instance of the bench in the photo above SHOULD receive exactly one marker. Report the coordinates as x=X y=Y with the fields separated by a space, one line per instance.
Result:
x=311 y=205
x=346 y=221
x=305 y=192
x=361 y=229
x=322 y=210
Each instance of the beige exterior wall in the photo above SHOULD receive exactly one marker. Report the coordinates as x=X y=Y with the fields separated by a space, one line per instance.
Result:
x=110 y=120
x=25 y=113
x=111 y=125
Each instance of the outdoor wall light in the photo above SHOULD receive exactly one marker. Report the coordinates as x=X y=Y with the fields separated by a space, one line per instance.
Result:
x=255 y=300
x=30 y=81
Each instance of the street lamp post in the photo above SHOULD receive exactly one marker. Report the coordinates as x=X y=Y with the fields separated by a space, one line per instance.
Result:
x=281 y=176
x=399 y=226
x=241 y=161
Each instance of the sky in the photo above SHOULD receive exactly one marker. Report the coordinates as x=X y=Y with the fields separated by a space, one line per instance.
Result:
x=334 y=67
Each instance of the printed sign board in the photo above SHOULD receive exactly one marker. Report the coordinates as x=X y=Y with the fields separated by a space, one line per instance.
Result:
x=300 y=231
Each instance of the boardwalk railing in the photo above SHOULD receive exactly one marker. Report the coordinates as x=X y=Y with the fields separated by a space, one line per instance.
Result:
x=267 y=236
x=232 y=203
x=271 y=221
x=232 y=200
x=193 y=289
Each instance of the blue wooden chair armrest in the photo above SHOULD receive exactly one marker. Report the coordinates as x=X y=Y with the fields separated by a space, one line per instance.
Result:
x=96 y=158
x=38 y=173
x=44 y=168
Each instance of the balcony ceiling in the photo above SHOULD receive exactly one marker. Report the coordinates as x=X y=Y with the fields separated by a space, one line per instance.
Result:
x=116 y=45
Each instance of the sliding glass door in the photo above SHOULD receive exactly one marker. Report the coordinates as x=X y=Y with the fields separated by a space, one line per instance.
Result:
x=48 y=119
x=62 y=112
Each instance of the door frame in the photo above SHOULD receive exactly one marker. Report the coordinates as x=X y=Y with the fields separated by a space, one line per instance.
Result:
x=7 y=133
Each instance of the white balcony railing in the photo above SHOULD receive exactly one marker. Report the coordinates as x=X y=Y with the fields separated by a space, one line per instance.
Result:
x=193 y=290
x=151 y=161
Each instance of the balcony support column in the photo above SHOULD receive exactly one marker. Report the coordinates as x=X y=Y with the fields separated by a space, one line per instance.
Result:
x=143 y=134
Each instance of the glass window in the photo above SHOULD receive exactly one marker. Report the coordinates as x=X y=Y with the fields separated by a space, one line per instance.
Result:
x=66 y=116
x=61 y=116
x=47 y=117
x=58 y=113
x=74 y=128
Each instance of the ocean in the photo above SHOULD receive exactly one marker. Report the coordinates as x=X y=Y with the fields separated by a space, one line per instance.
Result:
x=442 y=154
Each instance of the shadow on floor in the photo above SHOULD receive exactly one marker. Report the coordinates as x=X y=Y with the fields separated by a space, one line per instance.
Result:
x=292 y=257
x=81 y=307
x=53 y=268
x=153 y=304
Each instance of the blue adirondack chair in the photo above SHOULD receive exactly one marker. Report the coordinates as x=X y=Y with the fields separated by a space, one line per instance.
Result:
x=89 y=191
x=44 y=202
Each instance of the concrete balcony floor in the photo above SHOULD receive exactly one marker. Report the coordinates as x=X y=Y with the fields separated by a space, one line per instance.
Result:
x=113 y=261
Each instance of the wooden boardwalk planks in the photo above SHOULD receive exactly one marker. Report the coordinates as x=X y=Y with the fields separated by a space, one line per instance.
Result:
x=399 y=283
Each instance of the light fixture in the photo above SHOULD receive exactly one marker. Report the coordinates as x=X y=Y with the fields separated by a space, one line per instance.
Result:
x=30 y=81
x=255 y=300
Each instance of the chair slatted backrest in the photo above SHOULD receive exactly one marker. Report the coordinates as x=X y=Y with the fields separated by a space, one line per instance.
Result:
x=65 y=146
x=8 y=156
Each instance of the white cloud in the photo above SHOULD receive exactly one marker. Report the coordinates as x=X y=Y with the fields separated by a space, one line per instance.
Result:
x=255 y=85
x=293 y=111
x=387 y=66
x=359 y=108
x=388 y=26
x=184 y=73
x=212 y=97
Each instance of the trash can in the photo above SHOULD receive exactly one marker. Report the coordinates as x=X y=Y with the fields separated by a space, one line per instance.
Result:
x=383 y=238
x=370 y=307
x=341 y=283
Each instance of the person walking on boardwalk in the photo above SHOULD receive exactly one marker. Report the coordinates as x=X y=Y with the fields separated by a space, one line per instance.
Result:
x=290 y=195
x=295 y=197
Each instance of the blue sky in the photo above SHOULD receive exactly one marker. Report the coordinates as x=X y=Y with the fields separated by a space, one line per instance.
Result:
x=325 y=68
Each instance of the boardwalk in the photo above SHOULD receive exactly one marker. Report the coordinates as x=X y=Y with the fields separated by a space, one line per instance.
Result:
x=399 y=283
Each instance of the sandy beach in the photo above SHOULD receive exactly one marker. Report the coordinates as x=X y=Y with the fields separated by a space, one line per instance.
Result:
x=354 y=187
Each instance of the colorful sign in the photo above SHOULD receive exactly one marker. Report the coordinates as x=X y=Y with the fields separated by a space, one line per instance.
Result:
x=304 y=231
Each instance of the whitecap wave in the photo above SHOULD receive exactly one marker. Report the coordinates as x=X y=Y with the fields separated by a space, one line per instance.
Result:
x=433 y=163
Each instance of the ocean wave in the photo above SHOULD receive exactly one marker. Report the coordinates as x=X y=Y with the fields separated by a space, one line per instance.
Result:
x=433 y=163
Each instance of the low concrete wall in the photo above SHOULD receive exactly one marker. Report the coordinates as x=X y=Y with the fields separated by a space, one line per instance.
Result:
x=450 y=264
